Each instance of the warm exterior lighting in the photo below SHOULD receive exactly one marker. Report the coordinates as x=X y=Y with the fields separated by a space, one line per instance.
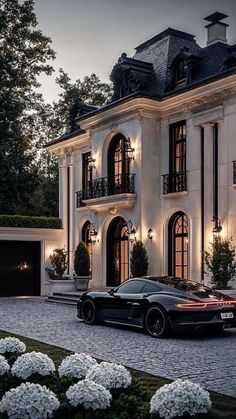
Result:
x=91 y=162
x=150 y=234
x=131 y=231
x=93 y=234
x=129 y=149
x=217 y=227
x=23 y=266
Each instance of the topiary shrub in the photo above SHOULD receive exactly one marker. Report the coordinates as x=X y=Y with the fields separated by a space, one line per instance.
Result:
x=82 y=260
x=26 y=221
x=139 y=260
x=221 y=263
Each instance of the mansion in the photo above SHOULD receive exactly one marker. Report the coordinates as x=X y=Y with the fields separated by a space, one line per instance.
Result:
x=158 y=162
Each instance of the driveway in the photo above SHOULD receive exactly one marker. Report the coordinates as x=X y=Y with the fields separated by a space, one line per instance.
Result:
x=209 y=360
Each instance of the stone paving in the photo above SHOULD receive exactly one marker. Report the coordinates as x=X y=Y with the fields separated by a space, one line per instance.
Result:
x=209 y=360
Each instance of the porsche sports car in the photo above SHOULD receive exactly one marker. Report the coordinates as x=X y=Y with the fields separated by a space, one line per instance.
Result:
x=159 y=305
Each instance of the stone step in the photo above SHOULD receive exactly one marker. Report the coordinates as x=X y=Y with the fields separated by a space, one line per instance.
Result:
x=65 y=302
x=63 y=298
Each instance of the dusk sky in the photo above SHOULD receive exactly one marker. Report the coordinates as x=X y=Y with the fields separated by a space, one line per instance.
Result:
x=90 y=35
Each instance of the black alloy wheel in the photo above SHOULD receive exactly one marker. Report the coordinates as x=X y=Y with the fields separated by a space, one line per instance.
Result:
x=89 y=312
x=156 y=322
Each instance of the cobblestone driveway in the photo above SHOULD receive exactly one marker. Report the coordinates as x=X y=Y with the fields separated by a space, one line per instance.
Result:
x=210 y=361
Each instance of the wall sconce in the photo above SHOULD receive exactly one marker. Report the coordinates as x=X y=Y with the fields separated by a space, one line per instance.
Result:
x=93 y=234
x=131 y=231
x=23 y=266
x=91 y=162
x=217 y=227
x=129 y=149
x=150 y=234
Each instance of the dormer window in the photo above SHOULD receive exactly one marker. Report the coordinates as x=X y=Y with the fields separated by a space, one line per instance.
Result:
x=181 y=71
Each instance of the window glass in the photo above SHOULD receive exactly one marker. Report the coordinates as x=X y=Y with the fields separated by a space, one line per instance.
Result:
x=150 y=288
x=130 y=287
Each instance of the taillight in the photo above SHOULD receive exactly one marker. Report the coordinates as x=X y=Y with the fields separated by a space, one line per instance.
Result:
x=207 y=304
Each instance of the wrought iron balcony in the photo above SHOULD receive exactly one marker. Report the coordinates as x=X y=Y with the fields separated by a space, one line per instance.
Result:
x=234 y=172
x=174 y=182
x=105 y=186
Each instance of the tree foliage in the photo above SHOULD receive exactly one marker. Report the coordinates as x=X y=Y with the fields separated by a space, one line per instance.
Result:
x=139 y=260
x=221 y=263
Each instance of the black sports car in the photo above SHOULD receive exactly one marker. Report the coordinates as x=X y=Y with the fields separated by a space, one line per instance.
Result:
x=159 y=305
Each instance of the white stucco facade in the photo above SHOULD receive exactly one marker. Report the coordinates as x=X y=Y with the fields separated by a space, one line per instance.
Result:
x=146 y=123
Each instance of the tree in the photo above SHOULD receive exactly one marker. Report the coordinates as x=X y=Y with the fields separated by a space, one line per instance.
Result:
x=221 y=263
x=139 y=260
x=24 y=53
x=82 y=260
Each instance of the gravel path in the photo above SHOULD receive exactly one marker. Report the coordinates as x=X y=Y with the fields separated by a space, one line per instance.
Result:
x=209 y=360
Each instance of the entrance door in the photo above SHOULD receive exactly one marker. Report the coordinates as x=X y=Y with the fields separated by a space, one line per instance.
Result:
x=178 y=246
x=117 y=252
x=19 y=268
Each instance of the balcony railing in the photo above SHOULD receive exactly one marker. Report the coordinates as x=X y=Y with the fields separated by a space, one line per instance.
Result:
x=105 y=186
x=174 y=182
x=234 y=172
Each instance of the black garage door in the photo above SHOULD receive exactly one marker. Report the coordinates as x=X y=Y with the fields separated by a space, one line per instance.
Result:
x=19 y=268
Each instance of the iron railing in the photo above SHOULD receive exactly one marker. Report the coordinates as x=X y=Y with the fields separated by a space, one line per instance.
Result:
x=234 y=172
x=174 y=182
x=106 y=186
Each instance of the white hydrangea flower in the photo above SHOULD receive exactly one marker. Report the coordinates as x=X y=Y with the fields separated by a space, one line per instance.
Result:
x=12 y=345
x=179 y=398
x=29 y=401
x=89 y=394
x=76 y=365
x=110 y=375
x=4 y=366
x=31 y=363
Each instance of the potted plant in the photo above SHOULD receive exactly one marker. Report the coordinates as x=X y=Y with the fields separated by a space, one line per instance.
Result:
x=81 y=267
x=58 y=282
x=139 y=260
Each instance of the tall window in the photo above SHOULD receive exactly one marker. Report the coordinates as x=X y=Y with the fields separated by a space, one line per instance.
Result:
x=118 y=165
x=181 y=71
x=178 y=246
x=178 y=147
x=117 y=252
x=86 y=238
x=86 y=175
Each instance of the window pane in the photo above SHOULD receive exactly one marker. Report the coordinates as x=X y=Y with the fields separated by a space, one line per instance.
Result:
x=131 y=287
x=150 y=288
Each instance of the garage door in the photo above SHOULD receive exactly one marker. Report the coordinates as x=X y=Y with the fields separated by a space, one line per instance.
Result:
x=19 y=268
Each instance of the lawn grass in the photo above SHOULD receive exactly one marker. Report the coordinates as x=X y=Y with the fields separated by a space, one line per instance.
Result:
x=223 y=406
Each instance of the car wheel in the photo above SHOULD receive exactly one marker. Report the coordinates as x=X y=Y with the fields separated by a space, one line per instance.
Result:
x=89 y=312
x=156 y=322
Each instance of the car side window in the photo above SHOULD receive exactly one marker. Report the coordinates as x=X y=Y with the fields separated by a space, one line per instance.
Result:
x=150 y=288
x=130 y=287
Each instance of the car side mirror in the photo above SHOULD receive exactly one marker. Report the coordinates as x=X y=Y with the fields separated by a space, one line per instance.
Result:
x=112 y=292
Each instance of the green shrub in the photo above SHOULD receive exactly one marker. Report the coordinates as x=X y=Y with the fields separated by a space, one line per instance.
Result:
x=82 y=260
x=221 y=263
x=59 y=264
x=29 y=222
x=139 y=260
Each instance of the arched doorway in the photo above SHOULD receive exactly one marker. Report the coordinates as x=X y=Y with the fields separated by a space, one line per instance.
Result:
x=117 y=252
x=86 y=238
x=118 y=165
x=178 y=247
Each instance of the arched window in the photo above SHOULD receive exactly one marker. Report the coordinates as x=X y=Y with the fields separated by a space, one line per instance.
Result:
x=118 y=166
x=86 y=238
x=180 y=71
x=117 y=252
x=178 y=246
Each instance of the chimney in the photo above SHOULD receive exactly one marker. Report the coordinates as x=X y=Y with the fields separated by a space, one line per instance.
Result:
x=216 y=30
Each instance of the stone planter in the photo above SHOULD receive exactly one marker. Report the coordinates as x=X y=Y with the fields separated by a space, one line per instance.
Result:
x=81 y=282
x=62 y=285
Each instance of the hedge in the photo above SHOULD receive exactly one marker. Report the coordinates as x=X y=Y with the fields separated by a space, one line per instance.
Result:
x=29 y=222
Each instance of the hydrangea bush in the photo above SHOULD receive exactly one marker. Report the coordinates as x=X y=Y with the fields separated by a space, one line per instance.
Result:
x=32 y=363
x=4 y=366
x=76 y=365
x=89 y=394
x=110 y=375
x=179 y=398
x=29 y=401
x=12 y=345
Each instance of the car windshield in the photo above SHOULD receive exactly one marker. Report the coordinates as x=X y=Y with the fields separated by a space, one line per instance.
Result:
x=188 y=286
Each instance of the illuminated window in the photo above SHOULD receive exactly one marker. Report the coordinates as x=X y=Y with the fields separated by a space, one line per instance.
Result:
x=118 y=165
x=178 y=246
x=86 y=238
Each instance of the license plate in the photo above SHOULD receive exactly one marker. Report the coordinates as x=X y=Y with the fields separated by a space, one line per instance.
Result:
x=228 y=315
